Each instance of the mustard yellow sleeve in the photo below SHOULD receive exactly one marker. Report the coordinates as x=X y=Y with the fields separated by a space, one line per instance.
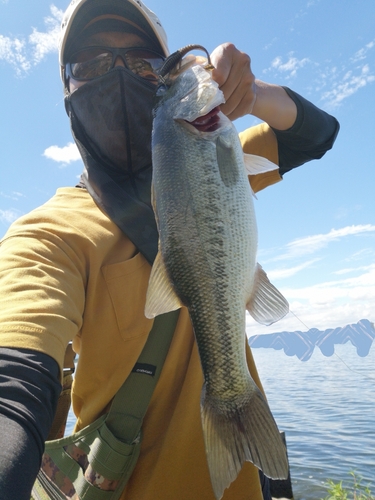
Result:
x=261 y=140
x=42 y=287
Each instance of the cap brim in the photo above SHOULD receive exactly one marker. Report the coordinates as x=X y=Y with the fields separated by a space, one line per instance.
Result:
x=79 y=14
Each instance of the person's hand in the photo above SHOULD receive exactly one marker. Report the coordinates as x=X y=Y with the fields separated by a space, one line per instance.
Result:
x=233 y=74
x=246 y=95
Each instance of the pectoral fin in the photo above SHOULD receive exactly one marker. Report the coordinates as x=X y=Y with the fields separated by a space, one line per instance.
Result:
x=255 y=164
x=266 y=304
x=161 y=297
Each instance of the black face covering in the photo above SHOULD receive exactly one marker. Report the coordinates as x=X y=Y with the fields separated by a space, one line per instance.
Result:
x=111 y=120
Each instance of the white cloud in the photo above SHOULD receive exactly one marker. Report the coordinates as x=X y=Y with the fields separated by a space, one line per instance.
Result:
x=24 y=53
x=45 y=42
x=361 y=54
x=364 y=253
x=350 y=83
x=291 y=66
x=269 y=45
x=310 y=244
x=325 y=305
x=343 y=82
x=335 y=81
x=343 y=212
x=14 y=195
x=13 y=51
x=9 y=216
x=326 y=292
x=64 y=155
x=349 y=270
x=291 y=271
x=349 y=292
x=347 y=298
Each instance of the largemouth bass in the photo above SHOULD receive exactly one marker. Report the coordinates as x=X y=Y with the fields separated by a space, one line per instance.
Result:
x=207 y=262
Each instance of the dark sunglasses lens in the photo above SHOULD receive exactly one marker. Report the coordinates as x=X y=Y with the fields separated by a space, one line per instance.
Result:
x=90 y=63
x=143 y=63
x=96 y=61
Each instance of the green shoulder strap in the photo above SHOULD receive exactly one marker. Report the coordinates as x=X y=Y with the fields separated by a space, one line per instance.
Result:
x=96 y=462
x=131 y=401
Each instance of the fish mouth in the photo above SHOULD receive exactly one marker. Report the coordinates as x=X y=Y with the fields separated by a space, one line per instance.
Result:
x=209 y=122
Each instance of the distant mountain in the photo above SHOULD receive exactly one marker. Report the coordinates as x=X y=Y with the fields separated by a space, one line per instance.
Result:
x=302 y=344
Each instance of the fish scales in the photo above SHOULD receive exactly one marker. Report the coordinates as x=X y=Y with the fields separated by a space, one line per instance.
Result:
x=211 y=233
x=207 y=262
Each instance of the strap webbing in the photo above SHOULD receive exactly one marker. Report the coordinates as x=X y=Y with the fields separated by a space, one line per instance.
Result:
x=132 y=399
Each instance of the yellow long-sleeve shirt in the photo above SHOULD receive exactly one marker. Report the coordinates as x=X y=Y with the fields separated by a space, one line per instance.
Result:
x=67 y=272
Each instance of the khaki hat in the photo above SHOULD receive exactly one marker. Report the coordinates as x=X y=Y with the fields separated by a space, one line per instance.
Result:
x=81 y=12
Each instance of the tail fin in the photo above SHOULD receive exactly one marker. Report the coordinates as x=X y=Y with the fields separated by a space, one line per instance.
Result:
x=248 y=433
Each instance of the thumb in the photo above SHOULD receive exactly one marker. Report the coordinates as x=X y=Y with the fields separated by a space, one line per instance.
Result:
x=222 y=61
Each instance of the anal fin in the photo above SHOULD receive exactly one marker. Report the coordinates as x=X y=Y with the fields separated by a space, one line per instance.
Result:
x=266 y=304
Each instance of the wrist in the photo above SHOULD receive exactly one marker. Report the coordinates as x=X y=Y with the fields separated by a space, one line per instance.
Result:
x=273 y=105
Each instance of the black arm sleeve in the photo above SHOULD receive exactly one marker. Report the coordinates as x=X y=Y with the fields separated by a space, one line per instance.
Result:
x=311 y=136
x=29 y=390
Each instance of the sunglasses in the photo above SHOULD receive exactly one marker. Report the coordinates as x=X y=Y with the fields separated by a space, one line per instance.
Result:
x=92 y=62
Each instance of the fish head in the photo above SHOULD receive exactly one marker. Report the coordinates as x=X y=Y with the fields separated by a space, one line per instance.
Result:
x=190 y=94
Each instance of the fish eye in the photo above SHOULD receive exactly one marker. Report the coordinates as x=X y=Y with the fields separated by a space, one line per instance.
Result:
x=162 y=89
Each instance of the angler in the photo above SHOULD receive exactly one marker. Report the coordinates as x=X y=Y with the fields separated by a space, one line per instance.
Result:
x=77 y=268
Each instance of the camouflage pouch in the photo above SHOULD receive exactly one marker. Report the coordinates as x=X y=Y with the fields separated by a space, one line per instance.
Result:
x=90 y=464
x=96 y=462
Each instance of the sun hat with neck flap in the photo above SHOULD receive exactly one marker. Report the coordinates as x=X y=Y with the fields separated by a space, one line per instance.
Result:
x=80 y=13
x=117 y=159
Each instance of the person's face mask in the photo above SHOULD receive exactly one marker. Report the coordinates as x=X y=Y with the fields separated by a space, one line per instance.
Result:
x=112 y=117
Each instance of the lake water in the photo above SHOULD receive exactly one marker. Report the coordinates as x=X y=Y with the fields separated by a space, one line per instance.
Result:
x=326 y=407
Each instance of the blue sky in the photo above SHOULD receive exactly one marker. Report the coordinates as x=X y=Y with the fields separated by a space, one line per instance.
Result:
x=317 y=227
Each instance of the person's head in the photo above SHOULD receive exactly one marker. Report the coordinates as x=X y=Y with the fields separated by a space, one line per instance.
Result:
x=109 y=100
x=91 y=28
